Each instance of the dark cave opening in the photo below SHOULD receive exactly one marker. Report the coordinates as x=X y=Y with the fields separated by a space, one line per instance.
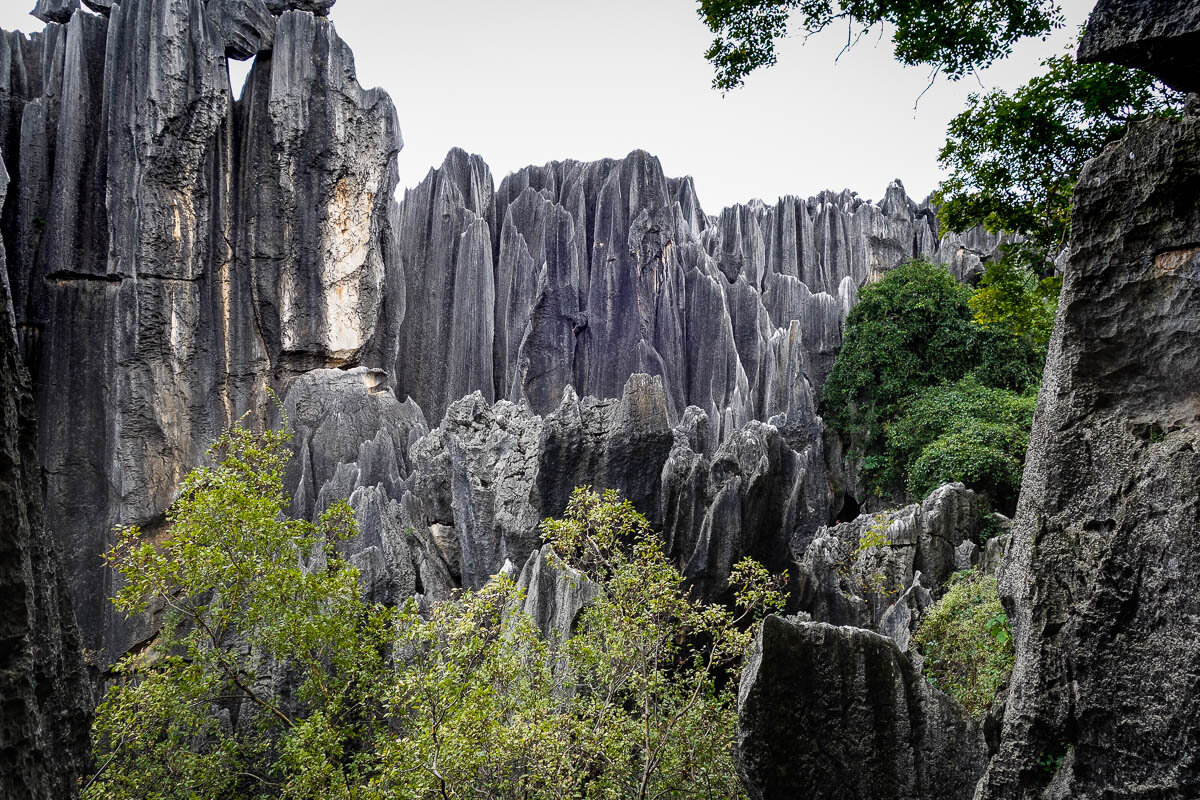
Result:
x=848 y=512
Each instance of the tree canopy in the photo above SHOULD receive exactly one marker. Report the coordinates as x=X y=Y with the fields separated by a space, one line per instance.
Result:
x=910 y=333
x=955 y=39
x=1013 y=158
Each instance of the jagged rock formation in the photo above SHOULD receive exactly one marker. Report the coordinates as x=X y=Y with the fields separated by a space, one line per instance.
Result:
x=881 y=571
x=840 y=713
x=473 y=491
x=554 y=595
x=174 y=254
x=47 y=703
x=1104 y=700
x=1160 y=37
x=585 y=273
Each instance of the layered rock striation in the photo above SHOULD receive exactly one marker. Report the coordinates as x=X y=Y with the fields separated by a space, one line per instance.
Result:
x=47 y=702
x=174 y=253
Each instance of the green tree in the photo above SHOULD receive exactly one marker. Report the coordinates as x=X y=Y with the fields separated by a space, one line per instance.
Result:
x=195 y=713
x=1013 y=159
x=910 y=331
x=272 y=677
x=1013 y=298
x=954 y=38
x=652 y=671
x=967 y=642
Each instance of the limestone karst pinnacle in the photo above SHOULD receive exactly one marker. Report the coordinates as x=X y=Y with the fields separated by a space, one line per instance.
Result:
x=175 y=253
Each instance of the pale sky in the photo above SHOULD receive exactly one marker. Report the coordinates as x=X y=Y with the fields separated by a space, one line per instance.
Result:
x=528 y=81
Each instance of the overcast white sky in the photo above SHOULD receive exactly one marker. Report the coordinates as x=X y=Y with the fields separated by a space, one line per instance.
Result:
x=528 y=81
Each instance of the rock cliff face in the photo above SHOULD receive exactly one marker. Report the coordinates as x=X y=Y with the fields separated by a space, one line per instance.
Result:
x=455 y=362
x=1104 y=700
x=172 y=252
x=47 y=706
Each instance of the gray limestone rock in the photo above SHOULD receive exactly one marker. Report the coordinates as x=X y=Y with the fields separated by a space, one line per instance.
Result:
x=554 y=595
x=352 y=440
x=55 y=10
x=994 y=553
x=845 y=577
x=318 y=7
x=1159 y=36
x=247 y=25
x=1099 y=566
x=146 y=228
x=903 y=617
x=47 y=702
x=1106 y=538
x=966 y=555
x=319 y=273
x=841 y=713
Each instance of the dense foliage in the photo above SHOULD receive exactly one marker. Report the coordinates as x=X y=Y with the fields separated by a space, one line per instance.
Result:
x=1013 y=160
x=272 y=677
x=954 y=38
x=912 y=331
x=967 y=642
x=963 y=431
x=1012 y=297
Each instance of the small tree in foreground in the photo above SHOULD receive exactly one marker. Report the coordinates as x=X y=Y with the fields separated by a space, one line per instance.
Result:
x=272 y=677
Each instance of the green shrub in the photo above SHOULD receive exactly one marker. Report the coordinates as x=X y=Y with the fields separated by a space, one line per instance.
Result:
x=963 y=431
x=909 y=334
x=967 y=642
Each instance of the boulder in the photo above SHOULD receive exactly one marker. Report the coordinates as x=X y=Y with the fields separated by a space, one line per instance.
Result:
x=247 y=26
x=829 y=713
x=55 y=10
x=1159 y=36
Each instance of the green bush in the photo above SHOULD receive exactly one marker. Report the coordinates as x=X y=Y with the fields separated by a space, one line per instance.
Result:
x=967 y=642
x=962 y=431
x=1015 y=299
x=910 y=333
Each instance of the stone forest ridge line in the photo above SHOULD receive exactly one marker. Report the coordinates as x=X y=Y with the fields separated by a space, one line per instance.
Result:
x=217 y=248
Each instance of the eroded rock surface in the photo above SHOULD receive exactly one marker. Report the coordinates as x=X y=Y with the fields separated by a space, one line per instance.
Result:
x=1108 y=528
x=882 y=570
x=1104 y=700
x=470 y=494
x=172 y=253
x=839 y=713
x=1160 y=36
x=47 y=702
